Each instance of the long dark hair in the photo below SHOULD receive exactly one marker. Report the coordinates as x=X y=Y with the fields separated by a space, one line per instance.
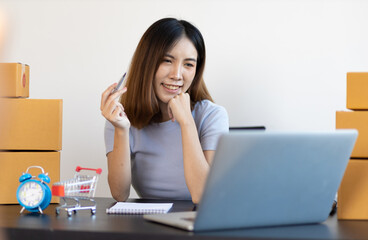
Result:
x=140 y=101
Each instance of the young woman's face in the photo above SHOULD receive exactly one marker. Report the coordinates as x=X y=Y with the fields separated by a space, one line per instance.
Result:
x=176 y=71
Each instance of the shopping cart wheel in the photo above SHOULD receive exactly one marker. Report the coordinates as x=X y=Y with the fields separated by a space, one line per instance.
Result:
x=93 y=211
x=57 y=211
x=70 y=213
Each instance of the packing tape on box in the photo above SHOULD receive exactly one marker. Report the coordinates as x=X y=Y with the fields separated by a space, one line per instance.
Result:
x=24 y=75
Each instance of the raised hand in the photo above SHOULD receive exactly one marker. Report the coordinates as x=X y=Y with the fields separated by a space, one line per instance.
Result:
x=112 y=109
x=179 y=108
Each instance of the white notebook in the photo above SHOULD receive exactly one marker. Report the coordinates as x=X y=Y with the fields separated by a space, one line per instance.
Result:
x=139 y=208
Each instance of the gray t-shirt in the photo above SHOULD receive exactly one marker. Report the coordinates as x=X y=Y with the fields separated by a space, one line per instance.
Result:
x=157 y=153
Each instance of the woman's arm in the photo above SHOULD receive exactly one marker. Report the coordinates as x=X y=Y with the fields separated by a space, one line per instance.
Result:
x=119 y=176
x=196 y=161
x=118 y=163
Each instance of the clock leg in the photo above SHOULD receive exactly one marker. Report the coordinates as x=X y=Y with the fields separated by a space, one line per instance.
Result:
x=39 y=208
x=22 y=210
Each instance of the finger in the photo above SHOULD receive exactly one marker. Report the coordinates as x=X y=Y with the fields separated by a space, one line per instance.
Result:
x=171 y=115
x=112 y=98
x=121 y=109
x=109 y=110
x=185 y=96
x=118 y=93
x=117 y=114
x=106 y=94
x=122 y=113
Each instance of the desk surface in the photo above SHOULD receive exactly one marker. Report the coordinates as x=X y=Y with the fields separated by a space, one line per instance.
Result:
x=83 y=225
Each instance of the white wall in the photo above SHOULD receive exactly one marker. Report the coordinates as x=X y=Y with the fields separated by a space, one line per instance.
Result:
x=278 y=63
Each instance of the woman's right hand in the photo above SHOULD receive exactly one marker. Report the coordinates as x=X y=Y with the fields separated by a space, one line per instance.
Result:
x=112 y=109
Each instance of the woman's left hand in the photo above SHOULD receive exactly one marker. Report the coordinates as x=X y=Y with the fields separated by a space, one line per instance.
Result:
x=179 y=108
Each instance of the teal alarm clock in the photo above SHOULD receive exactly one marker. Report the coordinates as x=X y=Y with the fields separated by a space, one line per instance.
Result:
x=34 y=194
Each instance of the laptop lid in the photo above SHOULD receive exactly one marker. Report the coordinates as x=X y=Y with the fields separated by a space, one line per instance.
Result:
x=273 y=178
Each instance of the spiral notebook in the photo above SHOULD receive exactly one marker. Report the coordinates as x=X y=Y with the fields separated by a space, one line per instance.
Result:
x=139 y=208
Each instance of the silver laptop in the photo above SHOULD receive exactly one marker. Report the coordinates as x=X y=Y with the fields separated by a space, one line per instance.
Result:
x=264 y=178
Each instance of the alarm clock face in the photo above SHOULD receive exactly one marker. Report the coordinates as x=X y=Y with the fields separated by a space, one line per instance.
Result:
x=31 y=194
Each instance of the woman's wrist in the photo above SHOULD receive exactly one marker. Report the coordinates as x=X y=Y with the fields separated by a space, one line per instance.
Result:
x=187 y=122
x=122 y=131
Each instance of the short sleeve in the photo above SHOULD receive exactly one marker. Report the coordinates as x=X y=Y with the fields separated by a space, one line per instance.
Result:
x=213 y=122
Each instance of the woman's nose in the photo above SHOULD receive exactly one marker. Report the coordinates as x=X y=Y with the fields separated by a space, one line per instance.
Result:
x=177 y=73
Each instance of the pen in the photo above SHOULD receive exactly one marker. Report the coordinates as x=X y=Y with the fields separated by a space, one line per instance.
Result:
x=119 y=84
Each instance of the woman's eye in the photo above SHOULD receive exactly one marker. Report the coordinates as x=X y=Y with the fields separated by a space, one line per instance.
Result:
x=167 y=60
x=189 y=65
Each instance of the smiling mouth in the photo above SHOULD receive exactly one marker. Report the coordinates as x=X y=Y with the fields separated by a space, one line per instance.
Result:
x=171 y=87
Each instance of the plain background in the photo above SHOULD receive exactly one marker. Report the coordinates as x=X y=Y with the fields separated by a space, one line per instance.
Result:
x=277 y=63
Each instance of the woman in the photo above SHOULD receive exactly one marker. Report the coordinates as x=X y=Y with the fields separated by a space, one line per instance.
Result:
x=162 y=135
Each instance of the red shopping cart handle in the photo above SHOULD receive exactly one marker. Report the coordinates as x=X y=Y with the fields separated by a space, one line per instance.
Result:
x=97 y=170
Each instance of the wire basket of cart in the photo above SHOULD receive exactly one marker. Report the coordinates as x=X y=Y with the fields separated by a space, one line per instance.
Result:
x=77 y=193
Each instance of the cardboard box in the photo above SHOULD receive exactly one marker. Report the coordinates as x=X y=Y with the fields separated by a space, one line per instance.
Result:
x=355 y=120
x=14 y=164
x=30 y=124
x=353 y=193
x=14 y=80
x=356 y=91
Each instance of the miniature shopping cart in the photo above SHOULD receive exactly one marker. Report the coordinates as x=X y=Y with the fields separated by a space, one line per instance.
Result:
x=79 y=189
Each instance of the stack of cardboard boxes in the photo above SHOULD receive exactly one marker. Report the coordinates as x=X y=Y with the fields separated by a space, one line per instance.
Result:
x=30 y=131
x=353 y=192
